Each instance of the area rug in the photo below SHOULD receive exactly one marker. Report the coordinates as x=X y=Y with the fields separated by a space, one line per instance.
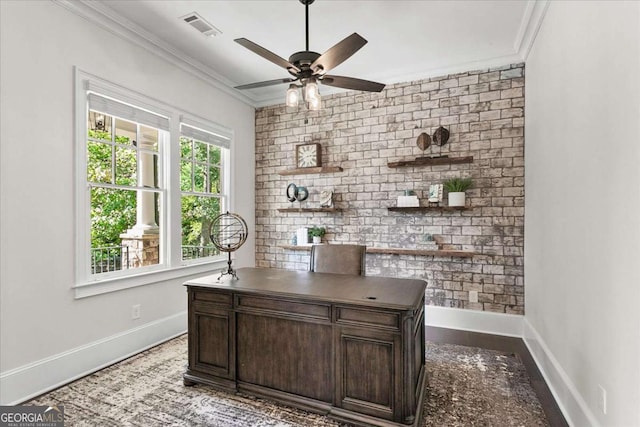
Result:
x=468 y=386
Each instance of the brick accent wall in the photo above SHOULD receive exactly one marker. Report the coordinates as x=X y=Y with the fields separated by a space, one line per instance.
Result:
x=362 y=132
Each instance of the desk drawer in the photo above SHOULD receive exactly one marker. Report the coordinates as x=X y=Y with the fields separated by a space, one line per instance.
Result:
x=368 y=317
x=284 y=307
x=217 y=298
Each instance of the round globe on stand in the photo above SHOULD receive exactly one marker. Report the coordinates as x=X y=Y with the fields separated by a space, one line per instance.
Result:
x=228 y=231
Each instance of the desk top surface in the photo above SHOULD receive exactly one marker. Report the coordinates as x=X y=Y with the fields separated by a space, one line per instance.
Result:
x=384 y=292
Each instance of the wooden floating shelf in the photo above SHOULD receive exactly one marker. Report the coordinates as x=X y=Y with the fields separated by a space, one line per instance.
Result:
x=428 y=208
x=309 y=210
x=397 y=251
x=306 y=248
x=432 y=161
x=423 y=252
x=306 y=171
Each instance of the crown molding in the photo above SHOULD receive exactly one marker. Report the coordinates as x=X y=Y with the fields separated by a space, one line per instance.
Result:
x=102 y=16
x=529 y=27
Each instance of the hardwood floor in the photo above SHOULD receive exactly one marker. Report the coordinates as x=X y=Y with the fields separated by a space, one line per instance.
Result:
x=506 y=344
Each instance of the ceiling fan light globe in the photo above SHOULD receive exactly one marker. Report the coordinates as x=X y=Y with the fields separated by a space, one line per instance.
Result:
x=293 y=96
x=311 y=90
x=314 y=103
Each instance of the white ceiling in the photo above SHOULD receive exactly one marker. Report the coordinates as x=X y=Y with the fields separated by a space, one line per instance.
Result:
x=408 y=40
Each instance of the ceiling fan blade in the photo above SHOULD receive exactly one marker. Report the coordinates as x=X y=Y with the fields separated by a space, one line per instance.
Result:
x=339 y=53
x=265 y=83
x=267 y=54
x=351 y=83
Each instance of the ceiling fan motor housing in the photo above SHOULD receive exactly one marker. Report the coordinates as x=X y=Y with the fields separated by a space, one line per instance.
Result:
x=303 y=61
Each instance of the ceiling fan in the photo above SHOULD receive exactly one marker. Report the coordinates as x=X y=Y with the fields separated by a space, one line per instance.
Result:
x=308 y=67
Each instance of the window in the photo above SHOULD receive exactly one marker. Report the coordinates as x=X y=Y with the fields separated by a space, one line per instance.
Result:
x=150 y=180
x=202 y=162
x=124 y=178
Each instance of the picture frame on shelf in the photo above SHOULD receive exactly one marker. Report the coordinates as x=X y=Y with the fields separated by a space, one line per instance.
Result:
x=435 y=193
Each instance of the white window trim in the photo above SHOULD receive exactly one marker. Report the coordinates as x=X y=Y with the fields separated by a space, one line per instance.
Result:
x=173 y=266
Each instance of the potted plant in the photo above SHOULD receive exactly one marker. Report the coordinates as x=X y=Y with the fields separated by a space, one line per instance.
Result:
x=317 y=233
x=456 y=188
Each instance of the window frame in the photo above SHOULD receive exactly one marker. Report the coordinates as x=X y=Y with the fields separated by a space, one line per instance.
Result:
x=171 y=264
x=225 y=176
x=161 y=189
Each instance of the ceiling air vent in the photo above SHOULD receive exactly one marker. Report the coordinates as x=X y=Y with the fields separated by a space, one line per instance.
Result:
x=198 y=22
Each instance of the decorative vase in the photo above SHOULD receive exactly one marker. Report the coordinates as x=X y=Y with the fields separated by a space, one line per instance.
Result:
x=317 y=240
x=457 y=199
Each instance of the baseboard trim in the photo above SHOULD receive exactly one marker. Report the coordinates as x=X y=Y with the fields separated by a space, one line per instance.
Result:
x=26 y=382
x=485 y=322
x=573 y=407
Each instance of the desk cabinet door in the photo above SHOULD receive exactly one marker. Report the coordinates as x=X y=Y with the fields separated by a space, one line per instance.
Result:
x=369 y=372
x=211 y=342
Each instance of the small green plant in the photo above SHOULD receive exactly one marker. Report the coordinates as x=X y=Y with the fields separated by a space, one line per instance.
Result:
x=317 y=231
x=457 y=185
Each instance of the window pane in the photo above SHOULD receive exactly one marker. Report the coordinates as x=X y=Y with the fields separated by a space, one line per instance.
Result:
x=99 y=125
x=201 y=154
x=197 y=214
x=125 y=132
x=113 y=212
x=205 y=165
x=114 y=246
x=199 y=179
x=214 y=155
x=126 y=166
x=149 y=138
x=185 y=148
x=98 y=162
x=185 y=176
x=148 y=170
x=214 y=180
x=153 y=174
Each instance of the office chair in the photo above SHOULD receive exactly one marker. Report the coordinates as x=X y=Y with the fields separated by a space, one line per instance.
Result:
x=338 y=259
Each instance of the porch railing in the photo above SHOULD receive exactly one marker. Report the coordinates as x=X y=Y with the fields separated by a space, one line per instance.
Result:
x=113 y=258
x=195 y=252
x=109 y=258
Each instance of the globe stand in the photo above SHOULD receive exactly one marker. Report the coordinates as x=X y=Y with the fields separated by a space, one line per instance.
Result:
x=228 y=231
x=230 y=271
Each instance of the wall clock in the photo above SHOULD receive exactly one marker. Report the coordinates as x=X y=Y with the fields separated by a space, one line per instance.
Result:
x=308 y=155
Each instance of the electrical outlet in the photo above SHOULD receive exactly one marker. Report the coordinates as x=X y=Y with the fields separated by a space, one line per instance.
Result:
x=602 y=399
x=473 y=296
x=135 y=311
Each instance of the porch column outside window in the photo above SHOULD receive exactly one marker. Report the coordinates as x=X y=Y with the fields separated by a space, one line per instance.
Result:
x=146 y=217
x=143 y=239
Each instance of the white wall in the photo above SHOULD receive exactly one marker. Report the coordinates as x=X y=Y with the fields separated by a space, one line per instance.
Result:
x=582 y=221
x=41 y=42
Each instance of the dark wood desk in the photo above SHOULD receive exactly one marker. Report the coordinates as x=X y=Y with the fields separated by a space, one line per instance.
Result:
x=350 y=347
